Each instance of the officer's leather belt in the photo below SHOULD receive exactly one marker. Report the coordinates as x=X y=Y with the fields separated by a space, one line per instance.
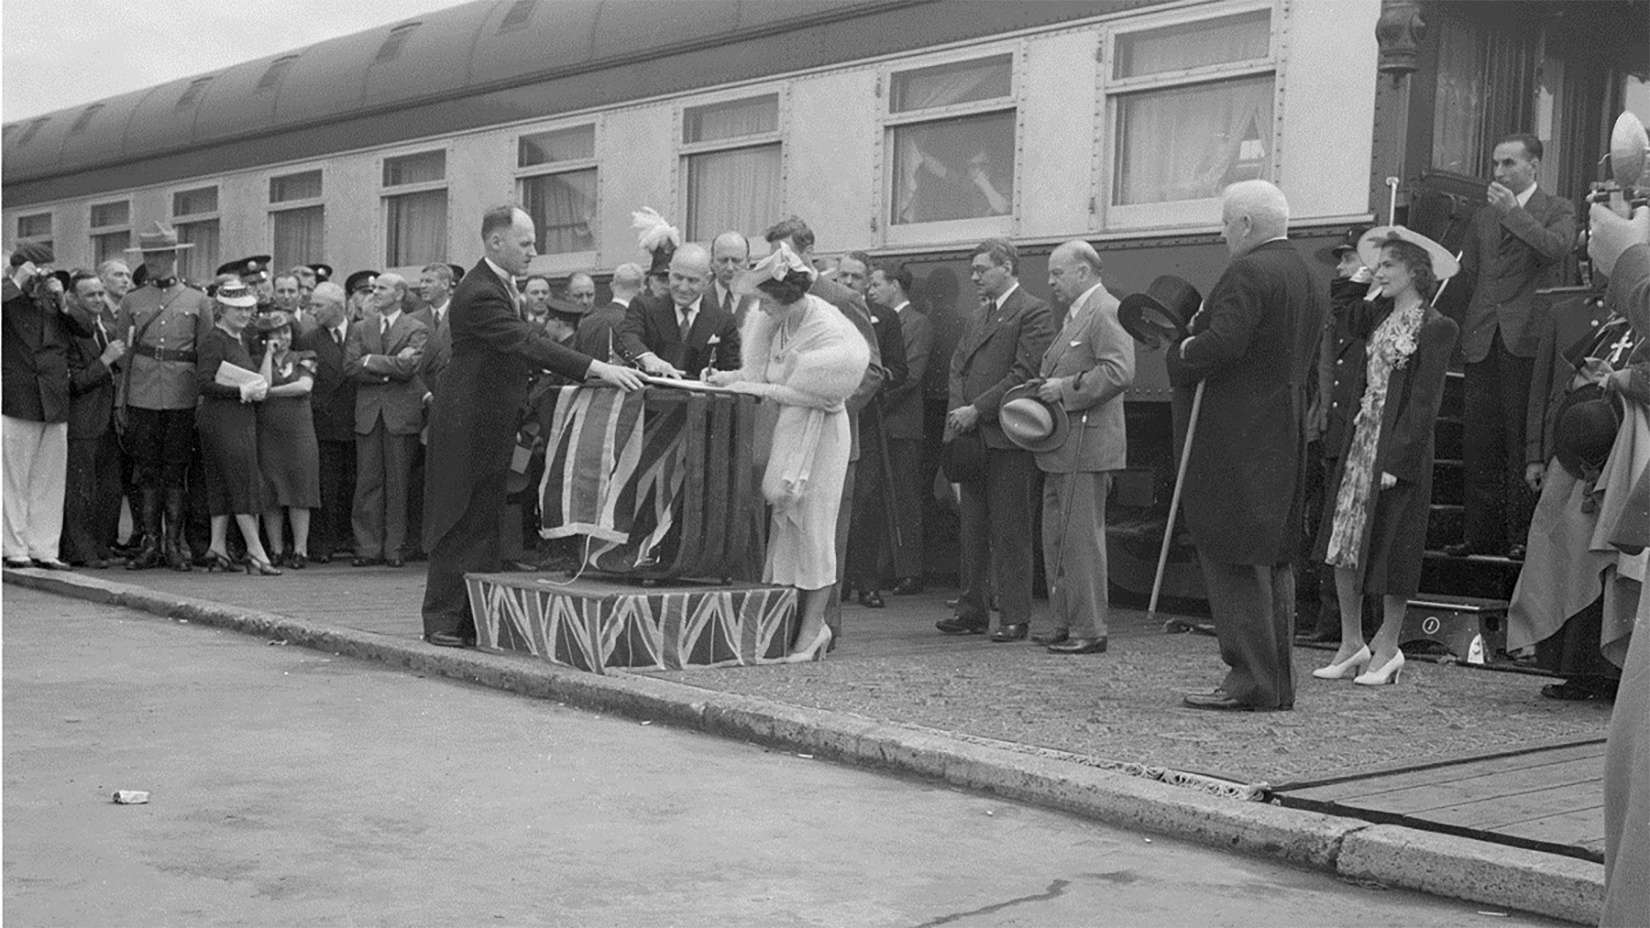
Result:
x=164 y=354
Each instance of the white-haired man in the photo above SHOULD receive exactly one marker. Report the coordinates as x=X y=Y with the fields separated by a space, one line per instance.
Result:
x=1252 y=346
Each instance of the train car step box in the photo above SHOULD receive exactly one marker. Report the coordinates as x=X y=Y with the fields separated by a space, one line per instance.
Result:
x=1472 y=629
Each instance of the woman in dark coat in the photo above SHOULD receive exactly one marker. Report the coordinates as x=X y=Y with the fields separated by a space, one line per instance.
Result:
x=288 y=454
x=1375 y=533
x=228 y=427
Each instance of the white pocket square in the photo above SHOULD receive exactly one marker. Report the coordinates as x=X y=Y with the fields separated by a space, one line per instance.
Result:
x=1076 y=343
x=714 y=340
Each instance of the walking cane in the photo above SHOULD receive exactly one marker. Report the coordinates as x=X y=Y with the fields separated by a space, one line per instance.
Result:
x=1173 y=626
x=1065 y=513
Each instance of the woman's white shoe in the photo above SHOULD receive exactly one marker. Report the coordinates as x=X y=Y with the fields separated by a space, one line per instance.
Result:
x=1351 y=667
x=1387 y=674
x=815 y=651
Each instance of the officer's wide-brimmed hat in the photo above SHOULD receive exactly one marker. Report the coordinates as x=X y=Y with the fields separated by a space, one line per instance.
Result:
x=272 y=320
x=358 y=280
x=159 y=237
x=1444 y=264
x=1032 y=422
x=236 y=294
x=1585 y=430
x=1348 y=242
x=1162 y=314
x=253 y=268
x=36 y=252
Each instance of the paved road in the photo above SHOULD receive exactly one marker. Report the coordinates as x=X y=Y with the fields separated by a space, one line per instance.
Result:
x=290 y=787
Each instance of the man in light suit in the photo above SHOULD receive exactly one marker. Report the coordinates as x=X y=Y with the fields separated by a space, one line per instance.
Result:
x=1087 y=369
x=1000 y=349
x=902 y=406
x=383 y=357
x=1515 y=247
x=684 y=336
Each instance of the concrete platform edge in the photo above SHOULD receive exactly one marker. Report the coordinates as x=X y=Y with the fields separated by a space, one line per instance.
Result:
x=1444 y=865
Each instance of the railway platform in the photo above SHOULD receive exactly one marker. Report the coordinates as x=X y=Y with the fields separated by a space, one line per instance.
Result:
x=1464 y=758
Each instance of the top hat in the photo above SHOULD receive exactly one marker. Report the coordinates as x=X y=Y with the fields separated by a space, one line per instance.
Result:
x=358 y=279
x=1162 y=314
x=1585 y=430
x=253 y=268
x=159 y=237
x=1444 y=264
x=1032 y=422
x=236 y=294
x=1349 y=242
x=323 y=272
x=36 y=252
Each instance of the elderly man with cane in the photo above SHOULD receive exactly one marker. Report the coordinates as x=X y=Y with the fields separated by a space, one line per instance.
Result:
x=1252 y=344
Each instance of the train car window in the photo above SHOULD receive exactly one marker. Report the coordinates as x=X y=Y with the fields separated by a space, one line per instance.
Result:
x=300 y=236
x=277 y=69
x=36 y=226
x=575 y=144
x=111 y=230
x=301 y=186
x=951 y=84
x=1192 y=104
x=415 y=169
x=1186 y=46
x=195 y=202
x=415 y=222
x=33 y=127
x=84 y=119
x=518 y=15
x=735 y=170
x=197 y=263
x=960 y=163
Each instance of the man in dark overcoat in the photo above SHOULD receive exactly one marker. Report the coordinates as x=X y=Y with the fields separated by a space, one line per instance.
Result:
x=1252 y=345
x=473 y=419
x=1001 y=348
x=94 y=450
x=332 y=408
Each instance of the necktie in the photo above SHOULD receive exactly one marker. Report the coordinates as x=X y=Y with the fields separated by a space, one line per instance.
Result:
x=102 y=335
x=337 y=336
x=383 y=326
x=727 y=302
x=687 y=325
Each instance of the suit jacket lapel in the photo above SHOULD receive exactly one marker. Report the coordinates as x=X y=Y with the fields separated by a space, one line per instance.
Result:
x=1076 y=319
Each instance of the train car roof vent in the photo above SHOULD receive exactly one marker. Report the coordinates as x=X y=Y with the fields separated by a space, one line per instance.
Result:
x=393 y=42
x=84 y=119
x=518 y=15
x=192 y=93
x=277 y=69
x=33 y=127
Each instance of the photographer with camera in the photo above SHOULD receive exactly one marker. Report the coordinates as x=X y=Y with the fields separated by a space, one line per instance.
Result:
x=34 y=421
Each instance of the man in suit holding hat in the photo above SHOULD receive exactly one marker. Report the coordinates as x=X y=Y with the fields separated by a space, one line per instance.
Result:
x=1083 y=374
x=39 y=332
x=1252 y=345
x=161 y=322
x=494 y=349
x=1000 y=349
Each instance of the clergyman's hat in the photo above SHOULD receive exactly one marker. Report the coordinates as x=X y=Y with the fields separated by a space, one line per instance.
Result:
x=1585 y=429
x=1162 y=314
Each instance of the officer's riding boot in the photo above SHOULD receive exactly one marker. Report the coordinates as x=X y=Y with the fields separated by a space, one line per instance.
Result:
x=148 y=553
x=177 y=550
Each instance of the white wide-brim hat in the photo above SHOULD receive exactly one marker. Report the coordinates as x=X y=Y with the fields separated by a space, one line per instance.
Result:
x=1444 y=264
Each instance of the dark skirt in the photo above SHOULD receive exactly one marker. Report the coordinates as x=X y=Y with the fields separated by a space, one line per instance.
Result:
x=229 y=454
x=1390 y=559
x=288 y=454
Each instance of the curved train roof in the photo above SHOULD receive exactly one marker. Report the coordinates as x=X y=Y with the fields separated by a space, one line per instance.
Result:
x=471 y=65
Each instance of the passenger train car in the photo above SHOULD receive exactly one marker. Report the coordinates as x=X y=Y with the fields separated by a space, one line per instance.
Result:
x=911 y=129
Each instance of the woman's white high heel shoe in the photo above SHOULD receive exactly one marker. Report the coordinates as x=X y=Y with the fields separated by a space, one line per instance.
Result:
x=815 y=651
x=1351 y=667
x=1387 y=674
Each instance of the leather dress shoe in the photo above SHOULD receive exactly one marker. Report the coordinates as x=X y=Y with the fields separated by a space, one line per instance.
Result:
x=449 y=640
x=1079 y=646
x=1005 y=633
x=50 y=563
x=18 y=563
x=1053 y=637
x=395 y=562
x=957 y=625
x=871 y=599
x=359 y=561
x=1218 y=700
x=910 y=586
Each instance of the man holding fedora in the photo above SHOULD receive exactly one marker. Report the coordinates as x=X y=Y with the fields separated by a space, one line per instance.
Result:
x=1083 y=376
x=1251 y=345
x=161 y=322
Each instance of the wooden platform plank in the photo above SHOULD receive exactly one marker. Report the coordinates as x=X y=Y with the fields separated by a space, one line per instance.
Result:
x=1581 y=828
x=1349 y=791
x=1489 y=787
x=1498 y=812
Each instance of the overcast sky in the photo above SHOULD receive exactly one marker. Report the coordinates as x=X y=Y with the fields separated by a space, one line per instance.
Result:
x=118 y=45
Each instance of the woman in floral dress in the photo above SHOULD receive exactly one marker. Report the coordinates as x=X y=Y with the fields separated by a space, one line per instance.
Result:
x=1375 y=534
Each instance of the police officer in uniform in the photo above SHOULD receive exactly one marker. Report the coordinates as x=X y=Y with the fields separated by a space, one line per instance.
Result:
x=162 y=322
